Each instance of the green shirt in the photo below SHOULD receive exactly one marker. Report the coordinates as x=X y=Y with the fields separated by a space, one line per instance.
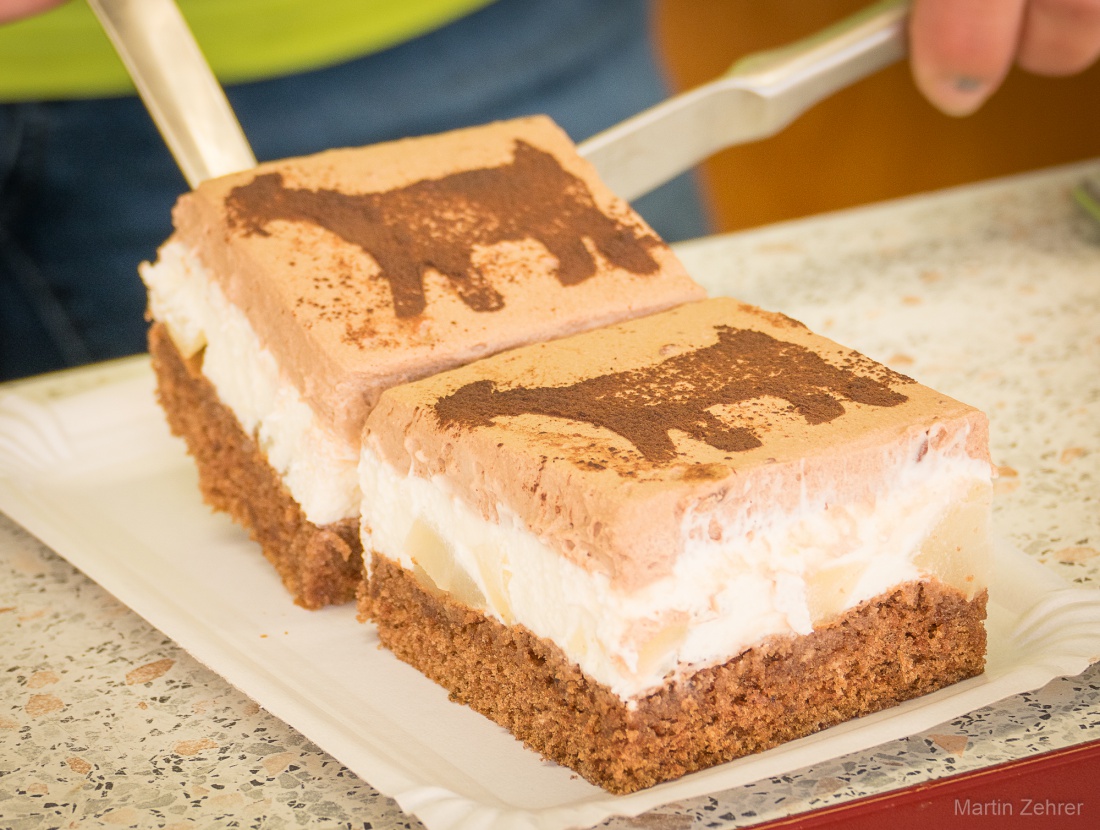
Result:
x=64 y=53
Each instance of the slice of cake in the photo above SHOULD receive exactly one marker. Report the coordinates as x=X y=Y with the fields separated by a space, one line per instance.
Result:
x=658 y=546
x=292 y=295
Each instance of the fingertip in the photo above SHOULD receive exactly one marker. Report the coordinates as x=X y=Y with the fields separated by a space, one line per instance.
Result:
x=1060 y=38
x=961 y=50
x=958 y=95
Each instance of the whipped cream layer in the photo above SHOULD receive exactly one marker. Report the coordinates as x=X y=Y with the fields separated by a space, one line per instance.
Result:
x=317 y=467
x=735 y=583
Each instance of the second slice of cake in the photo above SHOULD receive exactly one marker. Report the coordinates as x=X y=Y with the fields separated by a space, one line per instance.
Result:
x=661 y=545
x=292 y=295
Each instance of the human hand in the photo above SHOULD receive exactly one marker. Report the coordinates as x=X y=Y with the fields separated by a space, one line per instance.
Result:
x=14 y=9
x=961 y=50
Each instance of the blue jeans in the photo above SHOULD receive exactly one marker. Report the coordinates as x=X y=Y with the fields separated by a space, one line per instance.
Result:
x=87 y=187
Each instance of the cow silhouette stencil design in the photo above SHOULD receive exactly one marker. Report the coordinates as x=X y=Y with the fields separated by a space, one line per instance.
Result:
x=437 y=223
x=740 y=366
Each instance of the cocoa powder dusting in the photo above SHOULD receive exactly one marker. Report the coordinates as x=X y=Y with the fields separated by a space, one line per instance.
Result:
x=644 y=405
x=436 y=223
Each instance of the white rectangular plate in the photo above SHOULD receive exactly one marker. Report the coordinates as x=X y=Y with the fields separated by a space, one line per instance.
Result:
x=88 y=466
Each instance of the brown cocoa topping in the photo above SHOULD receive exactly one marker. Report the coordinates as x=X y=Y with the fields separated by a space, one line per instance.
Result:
x=644 y=405
x=436 y=224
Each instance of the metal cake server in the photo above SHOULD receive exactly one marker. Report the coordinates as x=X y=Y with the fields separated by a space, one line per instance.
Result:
x=759 y=96
x=175 y=82
x=756 y=98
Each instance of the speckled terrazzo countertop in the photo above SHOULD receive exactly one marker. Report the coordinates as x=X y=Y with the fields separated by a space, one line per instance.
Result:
x=990 y=293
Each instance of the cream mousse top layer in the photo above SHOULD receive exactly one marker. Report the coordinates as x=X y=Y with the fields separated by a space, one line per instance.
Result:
x=363 y=268
x=608 y=444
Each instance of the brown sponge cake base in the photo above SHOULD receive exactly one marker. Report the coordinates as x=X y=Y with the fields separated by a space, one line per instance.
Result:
x=919 y=638
x=319 y=565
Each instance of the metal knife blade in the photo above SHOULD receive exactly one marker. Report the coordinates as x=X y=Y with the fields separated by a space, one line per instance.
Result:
x=174 y=80
x=759 y=96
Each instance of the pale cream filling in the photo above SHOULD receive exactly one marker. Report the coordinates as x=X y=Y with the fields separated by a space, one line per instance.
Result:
x=317 y=467
x=791 y=572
